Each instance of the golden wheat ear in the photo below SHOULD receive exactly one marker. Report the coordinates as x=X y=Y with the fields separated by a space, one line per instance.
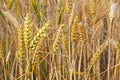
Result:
x=85 y=12
x=36 y=55
x=57 y=40
x=97 y=55
x=26 y=26
x=64 y=43
x=74 y=29
x=37 y=37
x=20 y=51
x=69 y=6
x=82 y=33
x=92 y=8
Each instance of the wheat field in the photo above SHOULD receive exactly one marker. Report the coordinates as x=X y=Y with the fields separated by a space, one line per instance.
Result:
x=59 y=40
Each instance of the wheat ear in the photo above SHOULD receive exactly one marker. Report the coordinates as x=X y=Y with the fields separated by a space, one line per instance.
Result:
x=27 y=30
x=97 y=55
x=92 y=8
x=20 y=51
x=82 y=33
x=74 y=30
x=37 y=37
x=69 y=6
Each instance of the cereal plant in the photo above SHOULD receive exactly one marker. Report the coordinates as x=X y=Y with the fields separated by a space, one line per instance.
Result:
x=59 y=40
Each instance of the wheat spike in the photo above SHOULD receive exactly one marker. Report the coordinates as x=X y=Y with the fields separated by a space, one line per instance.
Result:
x=55 y=49
x=92 y=7
x=56 y=44
x=85 y=13
x=20 y=55
x=82 y=33
x=20 y=51
x=35 y=63
x=40 y=33
x=27 y=30
x=97 y=55
x=36 y=56
x=74 y=29
x=64 y=43
x=57 y=40
x=69 y=6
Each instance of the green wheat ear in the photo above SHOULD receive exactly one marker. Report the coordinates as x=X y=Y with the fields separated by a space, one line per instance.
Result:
x=40 y=33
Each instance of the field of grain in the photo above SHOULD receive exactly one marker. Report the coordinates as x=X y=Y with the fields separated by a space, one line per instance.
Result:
x=59 y=40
